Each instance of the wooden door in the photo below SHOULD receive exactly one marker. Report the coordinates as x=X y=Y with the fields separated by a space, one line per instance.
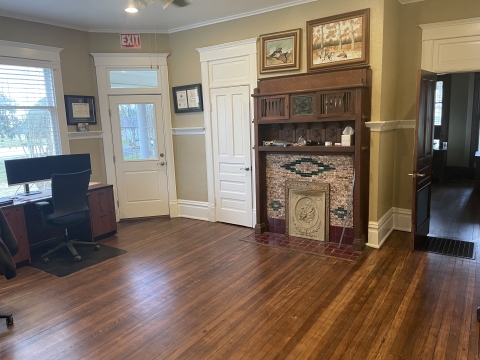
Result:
x=422 y=158
x=140 y=162
x=232 y=160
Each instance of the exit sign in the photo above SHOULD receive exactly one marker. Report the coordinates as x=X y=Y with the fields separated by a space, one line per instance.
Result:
x=130 y=41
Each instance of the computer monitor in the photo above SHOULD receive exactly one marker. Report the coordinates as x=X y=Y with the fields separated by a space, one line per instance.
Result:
x=26 y=171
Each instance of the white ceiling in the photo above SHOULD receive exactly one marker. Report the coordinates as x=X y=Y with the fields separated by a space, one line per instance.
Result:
x=110 y=15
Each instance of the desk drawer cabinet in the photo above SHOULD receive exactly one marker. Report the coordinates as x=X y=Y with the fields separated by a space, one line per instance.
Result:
x=16 y=219
x=102 y=211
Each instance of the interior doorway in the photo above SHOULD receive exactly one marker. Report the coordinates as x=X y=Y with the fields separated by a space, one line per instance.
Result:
x=455 y=200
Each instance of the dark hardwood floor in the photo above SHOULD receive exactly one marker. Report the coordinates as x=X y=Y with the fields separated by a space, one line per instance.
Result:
x=455 y=211
x=189 y=289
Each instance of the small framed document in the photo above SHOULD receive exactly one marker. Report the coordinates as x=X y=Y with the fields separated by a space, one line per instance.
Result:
x=80 y=109
x=187 y=98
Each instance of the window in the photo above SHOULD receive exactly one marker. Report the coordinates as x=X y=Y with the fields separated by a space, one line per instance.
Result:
x=28 y=117
x=438 y=104
x=133 y=79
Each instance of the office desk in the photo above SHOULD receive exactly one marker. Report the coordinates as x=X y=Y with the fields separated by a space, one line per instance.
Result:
x=26 y=223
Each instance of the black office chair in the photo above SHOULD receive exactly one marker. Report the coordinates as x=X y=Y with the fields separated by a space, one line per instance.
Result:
x=70 y=208
x=8 y=317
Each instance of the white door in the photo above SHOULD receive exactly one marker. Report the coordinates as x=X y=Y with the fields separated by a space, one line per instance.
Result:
x=138 y=142
x=231 y=154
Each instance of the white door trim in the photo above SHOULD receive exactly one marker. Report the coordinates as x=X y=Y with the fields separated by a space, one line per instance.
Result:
x=103 y=63
x=237 y=49
x=451 y=46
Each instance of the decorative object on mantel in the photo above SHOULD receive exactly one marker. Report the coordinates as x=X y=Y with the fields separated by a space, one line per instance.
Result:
x=82 y=127
x=280 y=51
x=347 y=136
x=80 y=109
x=338 y=41
x=188 y=98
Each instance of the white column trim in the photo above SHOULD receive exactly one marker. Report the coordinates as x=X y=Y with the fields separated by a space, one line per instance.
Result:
x=394 y=219
x=105 y=62
x=379 y=126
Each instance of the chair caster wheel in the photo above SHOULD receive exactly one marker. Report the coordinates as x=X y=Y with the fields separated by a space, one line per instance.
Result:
x=97 y=247
x=45 y=260
x=9 y=321
x=77 y=258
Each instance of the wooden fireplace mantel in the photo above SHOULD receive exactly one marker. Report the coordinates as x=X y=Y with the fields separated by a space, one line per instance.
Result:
x=318 y=107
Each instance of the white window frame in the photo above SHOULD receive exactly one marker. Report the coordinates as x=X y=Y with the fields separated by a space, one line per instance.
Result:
x=20 y=54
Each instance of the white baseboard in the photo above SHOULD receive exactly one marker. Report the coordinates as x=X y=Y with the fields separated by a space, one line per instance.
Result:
x=173 y=208
x=393 y=219
x=198 y=210
x=402 y=219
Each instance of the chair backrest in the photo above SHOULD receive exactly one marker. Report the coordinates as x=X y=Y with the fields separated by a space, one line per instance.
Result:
x=69 y=193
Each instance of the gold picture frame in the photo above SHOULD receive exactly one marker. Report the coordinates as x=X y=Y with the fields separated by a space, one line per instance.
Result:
x=338 y=42
x=280 y=51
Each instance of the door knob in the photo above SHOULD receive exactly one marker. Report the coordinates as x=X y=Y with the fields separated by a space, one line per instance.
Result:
x=416 y=174
x=161 y=163
x=245 y=168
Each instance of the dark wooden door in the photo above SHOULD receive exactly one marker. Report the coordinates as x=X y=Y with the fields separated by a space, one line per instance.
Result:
x=422 y=158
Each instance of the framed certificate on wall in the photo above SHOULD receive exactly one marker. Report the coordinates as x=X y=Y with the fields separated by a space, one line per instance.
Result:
x=80 y=109
x=187 y=98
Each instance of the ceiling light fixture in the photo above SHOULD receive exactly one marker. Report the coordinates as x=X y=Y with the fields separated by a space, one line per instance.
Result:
x=142 y=4
x=131 y=10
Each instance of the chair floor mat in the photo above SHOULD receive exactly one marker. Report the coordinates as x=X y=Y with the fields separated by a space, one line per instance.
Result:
x=61 y=261
x=450 y=247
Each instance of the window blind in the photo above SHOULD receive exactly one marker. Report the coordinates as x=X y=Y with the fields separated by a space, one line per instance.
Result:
x=28 y=116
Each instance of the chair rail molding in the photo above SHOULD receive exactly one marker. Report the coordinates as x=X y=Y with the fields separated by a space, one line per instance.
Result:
x=379 y=126
x=451 y=46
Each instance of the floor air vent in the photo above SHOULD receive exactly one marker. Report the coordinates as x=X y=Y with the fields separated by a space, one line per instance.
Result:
x=458 y=248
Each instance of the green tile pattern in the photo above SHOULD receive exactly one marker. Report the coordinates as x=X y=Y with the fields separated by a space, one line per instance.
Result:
x=275 y=205
x=303 y=105
x=318 y=167
x=339 y=212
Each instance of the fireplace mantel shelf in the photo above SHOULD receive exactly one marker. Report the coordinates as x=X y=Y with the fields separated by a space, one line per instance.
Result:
x=310 y=149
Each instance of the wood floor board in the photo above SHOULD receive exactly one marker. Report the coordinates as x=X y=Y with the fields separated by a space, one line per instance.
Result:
x=188 y=289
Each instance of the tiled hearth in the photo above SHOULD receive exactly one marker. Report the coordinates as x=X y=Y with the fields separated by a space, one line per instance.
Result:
x=304 y=245
x=278 y=226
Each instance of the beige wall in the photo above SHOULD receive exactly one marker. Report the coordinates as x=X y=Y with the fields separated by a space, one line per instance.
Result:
x=184 y=68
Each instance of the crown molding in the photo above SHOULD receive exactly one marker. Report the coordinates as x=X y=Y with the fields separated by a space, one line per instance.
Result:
x=239 y=16
x=403 y=2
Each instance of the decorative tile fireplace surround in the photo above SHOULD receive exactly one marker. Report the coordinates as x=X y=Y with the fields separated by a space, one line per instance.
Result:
x=334 y=170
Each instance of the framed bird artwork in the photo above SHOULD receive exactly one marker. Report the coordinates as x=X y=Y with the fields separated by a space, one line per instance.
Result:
x=280 y=51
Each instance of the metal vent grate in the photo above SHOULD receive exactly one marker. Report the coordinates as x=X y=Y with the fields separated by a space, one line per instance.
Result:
x=457 y=248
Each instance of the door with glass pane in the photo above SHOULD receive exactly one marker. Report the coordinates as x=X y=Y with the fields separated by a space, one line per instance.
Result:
x=140 y=162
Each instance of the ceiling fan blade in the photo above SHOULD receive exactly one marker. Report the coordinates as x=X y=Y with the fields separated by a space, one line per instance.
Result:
x=142 y=4
x=181 y=3
x=165 y=3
